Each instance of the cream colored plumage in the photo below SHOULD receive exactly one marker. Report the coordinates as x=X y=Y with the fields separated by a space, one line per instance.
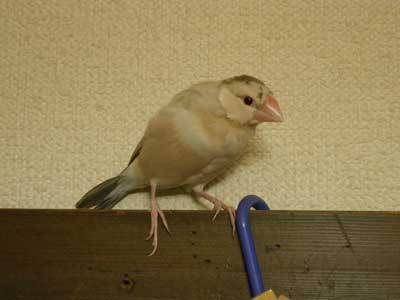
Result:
x=189 y=142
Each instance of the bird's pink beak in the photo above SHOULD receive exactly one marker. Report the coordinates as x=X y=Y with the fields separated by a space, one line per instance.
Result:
x=269 y=111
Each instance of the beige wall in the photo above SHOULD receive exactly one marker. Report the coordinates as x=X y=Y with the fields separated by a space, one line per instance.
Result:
x=79 y=79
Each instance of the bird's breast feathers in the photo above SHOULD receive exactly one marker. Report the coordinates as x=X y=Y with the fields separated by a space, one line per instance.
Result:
x=181 y=145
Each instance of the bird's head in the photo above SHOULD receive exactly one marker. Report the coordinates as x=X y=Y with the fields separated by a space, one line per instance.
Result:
x=248 y=101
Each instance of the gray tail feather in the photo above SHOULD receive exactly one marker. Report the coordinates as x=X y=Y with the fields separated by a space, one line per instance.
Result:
x=104 y=195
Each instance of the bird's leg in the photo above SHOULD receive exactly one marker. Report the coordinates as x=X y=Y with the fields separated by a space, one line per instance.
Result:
x=218 y=205
x=155 y=212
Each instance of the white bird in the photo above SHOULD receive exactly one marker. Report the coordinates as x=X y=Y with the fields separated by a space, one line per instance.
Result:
x=189 y=142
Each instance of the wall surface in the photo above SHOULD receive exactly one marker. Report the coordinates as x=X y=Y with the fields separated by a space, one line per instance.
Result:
x=79 y=80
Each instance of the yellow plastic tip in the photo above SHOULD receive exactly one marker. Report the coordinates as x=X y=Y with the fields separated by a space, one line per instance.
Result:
x=269 y=295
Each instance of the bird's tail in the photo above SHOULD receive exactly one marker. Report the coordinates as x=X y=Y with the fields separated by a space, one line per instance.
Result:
x=106 y=194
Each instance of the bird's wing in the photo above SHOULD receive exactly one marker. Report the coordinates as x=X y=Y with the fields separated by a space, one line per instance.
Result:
x=182 y=100
x=167 y=151
x=136 y=152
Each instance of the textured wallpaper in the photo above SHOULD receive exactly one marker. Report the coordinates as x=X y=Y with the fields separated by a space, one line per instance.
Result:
x=79 y=80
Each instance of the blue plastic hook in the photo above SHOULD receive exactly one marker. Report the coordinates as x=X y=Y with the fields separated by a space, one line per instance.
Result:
x=247 y=243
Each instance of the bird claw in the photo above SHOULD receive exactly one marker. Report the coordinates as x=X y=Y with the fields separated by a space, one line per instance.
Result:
x=154 y=223
x=232 y=217
x=163 y=219
x=154 y=244
x=155 y=212
x=218 y=206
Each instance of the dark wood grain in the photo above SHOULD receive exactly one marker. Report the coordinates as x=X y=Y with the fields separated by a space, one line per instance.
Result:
x=83 y=255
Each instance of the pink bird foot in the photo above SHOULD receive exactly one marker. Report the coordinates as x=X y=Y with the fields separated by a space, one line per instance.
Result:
x=155 y=212
x=218 y=206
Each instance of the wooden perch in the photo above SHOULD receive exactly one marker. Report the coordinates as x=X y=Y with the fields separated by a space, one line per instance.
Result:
x=84 y=255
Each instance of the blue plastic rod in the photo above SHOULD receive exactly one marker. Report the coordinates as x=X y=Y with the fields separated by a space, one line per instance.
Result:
x=247 y=243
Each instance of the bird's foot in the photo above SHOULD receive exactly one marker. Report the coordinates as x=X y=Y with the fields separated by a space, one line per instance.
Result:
x=218 y=206
x=155 y=212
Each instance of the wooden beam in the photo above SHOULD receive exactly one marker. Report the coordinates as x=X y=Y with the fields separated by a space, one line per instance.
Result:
x=84 y=255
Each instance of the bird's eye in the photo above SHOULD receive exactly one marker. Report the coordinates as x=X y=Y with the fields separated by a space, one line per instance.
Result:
x=248 y=100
